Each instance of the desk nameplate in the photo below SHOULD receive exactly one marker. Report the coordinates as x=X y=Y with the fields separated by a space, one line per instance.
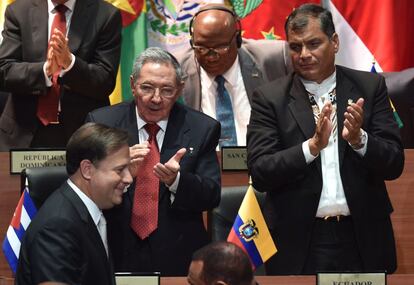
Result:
x=351 y=279
x=32 y=158
x=234 y=158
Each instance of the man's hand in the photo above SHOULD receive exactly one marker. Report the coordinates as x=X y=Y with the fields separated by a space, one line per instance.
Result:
x=59 y=44
x=137 y=154
x=51 y=64
x=168 y=171
x=354 y=117
x=323 y=130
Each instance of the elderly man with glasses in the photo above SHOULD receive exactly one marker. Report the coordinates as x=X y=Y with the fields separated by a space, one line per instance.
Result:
x=219 y=56
x=177 y=176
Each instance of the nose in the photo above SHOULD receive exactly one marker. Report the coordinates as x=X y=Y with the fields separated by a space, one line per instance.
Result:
x=304 y=52
x=126 y=176
x=156 y=97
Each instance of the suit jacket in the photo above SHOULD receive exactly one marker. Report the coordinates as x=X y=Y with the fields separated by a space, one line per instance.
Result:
x=260 y=61
x=94 y=39
x=63 y=244
x=180 y=224
x=280 y=122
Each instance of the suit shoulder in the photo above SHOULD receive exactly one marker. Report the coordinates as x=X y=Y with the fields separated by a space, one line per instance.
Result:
x=359 y=75
x=197 y=117
x=109 y=114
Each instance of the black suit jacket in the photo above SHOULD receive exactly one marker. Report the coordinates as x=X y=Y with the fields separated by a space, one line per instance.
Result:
x=180 y=224
x=281 y=121
x=94 y=39
x=62 y=244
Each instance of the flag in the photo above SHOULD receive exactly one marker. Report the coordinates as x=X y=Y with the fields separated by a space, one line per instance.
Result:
x=370 y=29
x=250 y=231
x=23 y=215
x=265 y=19
x=134 y=41
x=394 y=111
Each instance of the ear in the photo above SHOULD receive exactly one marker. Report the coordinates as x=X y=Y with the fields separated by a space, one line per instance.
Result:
x=86 y=169
x=335 y=40
x=132 y=84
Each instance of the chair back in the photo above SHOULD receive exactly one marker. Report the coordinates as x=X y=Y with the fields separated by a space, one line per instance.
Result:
x=43 y=181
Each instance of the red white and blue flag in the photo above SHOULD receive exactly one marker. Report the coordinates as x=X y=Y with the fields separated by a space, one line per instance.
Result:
x=23 y=215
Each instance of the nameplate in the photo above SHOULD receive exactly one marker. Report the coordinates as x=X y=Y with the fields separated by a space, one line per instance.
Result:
x=131 y=278
x=233 y=158
x=351 y=279
x=32 y=158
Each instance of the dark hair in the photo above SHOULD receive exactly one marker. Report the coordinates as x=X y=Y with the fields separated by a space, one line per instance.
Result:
x=224 y=261
x=299 y=18
x=94 y=142
x=156 y=55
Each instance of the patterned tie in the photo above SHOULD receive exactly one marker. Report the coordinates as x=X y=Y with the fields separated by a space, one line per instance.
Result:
x=316 y=111
x=47 y=106
x=102 y=232
x=144 y=218
x=225 y=116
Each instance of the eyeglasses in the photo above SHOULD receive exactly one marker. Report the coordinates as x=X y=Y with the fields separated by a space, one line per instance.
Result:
x=202 y=50
x=149 y=90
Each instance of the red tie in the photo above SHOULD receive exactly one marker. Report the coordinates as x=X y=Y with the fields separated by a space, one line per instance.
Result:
x=144 y=218
x=47 y=106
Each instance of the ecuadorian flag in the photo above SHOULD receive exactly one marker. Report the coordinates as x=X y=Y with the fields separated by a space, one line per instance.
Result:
x=250 y=231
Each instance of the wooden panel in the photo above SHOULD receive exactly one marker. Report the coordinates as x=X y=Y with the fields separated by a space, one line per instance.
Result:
x=401 y=192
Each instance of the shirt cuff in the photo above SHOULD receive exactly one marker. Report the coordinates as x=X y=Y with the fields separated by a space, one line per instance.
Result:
x=306 y=152
x=64 y=71
x=48 y=80
x=173 y=187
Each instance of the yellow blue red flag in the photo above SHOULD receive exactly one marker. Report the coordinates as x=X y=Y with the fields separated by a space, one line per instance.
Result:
x=250 y=231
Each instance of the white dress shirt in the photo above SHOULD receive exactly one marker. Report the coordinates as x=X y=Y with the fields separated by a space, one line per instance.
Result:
x=332 y=201
x=240 y=102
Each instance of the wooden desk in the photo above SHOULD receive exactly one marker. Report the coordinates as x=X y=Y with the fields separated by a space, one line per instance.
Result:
x=394 y=279
x=401 y=192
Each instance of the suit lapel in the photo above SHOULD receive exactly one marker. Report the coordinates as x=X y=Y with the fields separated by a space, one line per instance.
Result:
x=80 y=17
x=301 y=110
x=88 y=221
x=176 y=137
x=39 y=23
x=344 y=91
x=252 y=76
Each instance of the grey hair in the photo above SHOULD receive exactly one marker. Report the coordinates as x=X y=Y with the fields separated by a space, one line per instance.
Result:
x=156 y=55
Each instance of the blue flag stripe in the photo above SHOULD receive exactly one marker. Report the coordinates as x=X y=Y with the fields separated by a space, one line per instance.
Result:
x=249 y=246
x=12 y=259
x=29 y=205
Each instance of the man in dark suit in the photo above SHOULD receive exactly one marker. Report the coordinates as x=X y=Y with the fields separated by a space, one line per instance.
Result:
x=66 y=241
x=187 y=174
x=218 y=49
x=321 y=142
x=85 y=61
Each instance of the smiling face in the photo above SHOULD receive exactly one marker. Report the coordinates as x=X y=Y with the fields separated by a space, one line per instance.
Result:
x=109 y=177
x=312 y=51
x=159 y=76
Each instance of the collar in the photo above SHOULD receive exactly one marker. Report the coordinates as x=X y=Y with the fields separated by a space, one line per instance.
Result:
x=230 y=75
x=70 y=4
x=320 y=89
x=93 y=209
x=141 y=123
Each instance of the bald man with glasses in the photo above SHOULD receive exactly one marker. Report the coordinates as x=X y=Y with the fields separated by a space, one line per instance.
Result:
x=219 y=55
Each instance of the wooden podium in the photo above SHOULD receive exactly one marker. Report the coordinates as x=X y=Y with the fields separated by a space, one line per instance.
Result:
x=401 y=192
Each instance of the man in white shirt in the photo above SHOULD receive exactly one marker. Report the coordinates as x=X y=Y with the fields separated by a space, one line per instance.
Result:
x=218 y=49
x=321 y=142
x=66 y=242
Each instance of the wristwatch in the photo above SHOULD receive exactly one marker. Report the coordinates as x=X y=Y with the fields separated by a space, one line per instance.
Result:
x=363 y=138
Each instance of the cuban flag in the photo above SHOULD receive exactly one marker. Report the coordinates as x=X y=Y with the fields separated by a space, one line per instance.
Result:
x=250 y=231
x=23 y=215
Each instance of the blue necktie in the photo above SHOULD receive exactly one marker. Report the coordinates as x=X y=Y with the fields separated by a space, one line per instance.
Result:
x=224 y=114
